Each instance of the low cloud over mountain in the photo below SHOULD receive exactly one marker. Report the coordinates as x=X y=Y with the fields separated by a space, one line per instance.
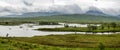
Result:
x=48 y=7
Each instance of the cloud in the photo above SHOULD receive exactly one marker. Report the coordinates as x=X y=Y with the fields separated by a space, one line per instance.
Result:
x=18 y=7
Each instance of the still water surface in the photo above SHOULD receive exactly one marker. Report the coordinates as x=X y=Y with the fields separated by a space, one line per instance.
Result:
x=27 y=30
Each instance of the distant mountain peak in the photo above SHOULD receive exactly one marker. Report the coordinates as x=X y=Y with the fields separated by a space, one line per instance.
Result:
x=94 y=11
x=94 y=7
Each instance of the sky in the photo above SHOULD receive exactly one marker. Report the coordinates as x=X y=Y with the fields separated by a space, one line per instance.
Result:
x=19 y=7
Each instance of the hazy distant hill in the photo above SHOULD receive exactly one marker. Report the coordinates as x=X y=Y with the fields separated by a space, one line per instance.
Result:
x=95 y=11
x=34 y=14
x=67 y=18
x=81 y=18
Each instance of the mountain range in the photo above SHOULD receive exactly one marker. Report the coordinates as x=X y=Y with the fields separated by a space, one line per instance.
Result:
x=92 y=11
x=28 y=8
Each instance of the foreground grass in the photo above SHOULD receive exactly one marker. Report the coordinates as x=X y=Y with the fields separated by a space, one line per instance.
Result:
x=18 y=44
x=74 y=40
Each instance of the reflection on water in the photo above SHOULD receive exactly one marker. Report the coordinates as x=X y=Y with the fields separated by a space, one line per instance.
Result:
x=27 y=30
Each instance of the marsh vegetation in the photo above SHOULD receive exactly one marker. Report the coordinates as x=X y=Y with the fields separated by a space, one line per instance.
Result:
x=94 y=28
x=62 y=42
x=24 y=36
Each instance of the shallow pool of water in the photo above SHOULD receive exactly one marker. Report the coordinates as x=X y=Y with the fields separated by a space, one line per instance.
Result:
x=27 y=30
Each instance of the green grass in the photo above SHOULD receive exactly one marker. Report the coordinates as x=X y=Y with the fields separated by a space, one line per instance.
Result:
x=22 y=22
x=74 y=40
x=13 y=45
x=78 y=30
x=104 y=27
x=61 y=42
x=81 y=29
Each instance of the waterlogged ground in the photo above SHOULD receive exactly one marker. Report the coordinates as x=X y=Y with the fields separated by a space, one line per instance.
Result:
x=28 y=30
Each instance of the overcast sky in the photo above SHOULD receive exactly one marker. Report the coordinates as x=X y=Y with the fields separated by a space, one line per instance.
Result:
x=18 y=7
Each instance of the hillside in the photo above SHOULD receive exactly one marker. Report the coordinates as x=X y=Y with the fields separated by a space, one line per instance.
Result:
x=83 y=18
x=66 y=18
